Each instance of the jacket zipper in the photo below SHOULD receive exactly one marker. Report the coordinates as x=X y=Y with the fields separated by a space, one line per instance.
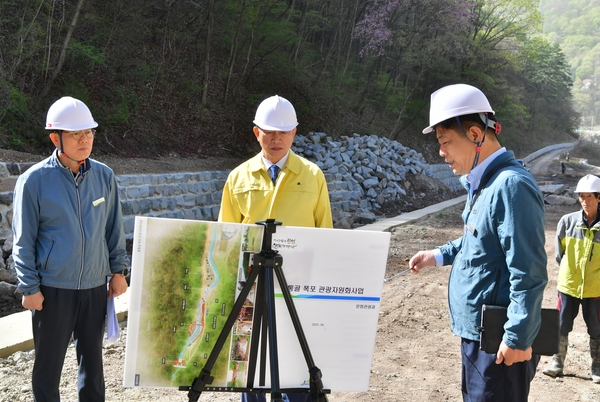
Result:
x=81 y=227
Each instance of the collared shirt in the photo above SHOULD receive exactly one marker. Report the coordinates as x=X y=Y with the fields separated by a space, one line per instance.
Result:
x=576 y=252
x=68 y=234
x=281 y=163
x=473 y=178
x=500 y=259
x=475 y=175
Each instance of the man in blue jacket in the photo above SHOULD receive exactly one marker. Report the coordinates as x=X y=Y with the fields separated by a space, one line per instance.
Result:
x=68 y=239
x=500 y=259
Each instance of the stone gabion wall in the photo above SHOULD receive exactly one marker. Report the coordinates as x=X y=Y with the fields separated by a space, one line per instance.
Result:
x=198 y=196
x=178 y=195
x=443 y=173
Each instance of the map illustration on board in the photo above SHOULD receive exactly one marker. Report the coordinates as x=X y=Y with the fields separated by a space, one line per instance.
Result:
x=186 y=276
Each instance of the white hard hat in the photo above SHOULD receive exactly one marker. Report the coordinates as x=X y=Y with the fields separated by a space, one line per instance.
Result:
x=588 y=184
x=457 y=100
x=69 y=114
x=276 y=113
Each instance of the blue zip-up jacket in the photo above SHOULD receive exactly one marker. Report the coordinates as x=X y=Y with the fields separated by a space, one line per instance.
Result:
x=68 y=232
x=500 y=259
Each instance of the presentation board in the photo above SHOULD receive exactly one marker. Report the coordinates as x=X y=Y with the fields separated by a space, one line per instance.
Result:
x=186 y=276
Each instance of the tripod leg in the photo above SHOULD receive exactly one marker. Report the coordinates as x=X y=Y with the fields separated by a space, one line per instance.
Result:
x=276 y=395
x=205 y=378
x=316 y=384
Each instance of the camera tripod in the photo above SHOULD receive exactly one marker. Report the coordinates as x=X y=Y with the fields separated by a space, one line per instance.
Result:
x=265 y=263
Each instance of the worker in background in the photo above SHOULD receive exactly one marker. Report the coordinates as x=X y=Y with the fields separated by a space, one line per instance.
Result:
x=578 y=254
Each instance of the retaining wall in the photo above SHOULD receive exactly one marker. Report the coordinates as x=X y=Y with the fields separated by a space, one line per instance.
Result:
x=192 y=195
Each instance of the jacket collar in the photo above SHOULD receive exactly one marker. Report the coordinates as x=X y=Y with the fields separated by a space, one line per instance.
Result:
x=84 y=168
x=293 y=163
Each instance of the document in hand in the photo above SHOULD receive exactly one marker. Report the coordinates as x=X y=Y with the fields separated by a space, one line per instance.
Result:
x=113 y=332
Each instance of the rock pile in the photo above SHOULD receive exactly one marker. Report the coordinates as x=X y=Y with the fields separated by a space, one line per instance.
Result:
x=557 y=194
x=372 y=164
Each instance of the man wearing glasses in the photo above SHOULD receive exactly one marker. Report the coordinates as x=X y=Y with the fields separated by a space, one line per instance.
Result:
x=276 y=184
x=68 y=239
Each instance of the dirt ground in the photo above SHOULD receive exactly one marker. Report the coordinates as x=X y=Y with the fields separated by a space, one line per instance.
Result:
x=417 y=358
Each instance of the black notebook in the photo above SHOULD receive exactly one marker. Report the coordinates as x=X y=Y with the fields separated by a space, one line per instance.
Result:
x=493 y=319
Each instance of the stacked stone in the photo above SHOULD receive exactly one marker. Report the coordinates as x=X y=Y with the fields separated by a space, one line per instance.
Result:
x=192 y=195
x=8 y=274
x=443 y=173
x=368 y=169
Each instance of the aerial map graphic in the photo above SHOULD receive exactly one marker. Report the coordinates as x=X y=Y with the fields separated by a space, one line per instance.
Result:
x=186 y=276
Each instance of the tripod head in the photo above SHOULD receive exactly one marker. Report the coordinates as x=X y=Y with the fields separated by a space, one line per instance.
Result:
x=270 y=228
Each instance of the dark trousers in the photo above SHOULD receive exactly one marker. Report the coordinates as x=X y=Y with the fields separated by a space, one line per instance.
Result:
x=64 y=313
x=484 y=380
x=569 y=309
x=247 y=397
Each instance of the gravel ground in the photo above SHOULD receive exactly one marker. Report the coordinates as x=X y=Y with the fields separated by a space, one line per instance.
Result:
x=15 y=379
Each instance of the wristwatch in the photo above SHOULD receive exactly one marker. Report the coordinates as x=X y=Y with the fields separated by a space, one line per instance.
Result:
x=124 y=272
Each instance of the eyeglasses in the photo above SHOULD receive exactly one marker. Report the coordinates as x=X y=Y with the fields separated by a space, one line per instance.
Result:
x=272 y=132
x=89 y=133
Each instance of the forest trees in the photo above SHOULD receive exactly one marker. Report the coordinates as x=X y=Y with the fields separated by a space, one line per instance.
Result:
x=193 y=71
x=574 y=25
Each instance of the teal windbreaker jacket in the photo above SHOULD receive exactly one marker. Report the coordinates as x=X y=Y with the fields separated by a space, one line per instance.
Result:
x=500 y=259
x=68 y=233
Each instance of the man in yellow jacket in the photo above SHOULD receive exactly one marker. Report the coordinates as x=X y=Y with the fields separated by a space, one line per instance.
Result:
x=578 y=253
x=276 y=184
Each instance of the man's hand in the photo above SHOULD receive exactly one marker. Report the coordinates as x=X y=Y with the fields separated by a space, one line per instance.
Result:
x=421 y=260
x=509 y=356
x=117 y=285
x=33 y=302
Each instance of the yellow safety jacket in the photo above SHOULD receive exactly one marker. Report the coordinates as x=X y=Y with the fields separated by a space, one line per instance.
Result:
x=578 y=253
x=300 y=197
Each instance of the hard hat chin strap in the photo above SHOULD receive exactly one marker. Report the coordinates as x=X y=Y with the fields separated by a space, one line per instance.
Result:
x=60 y=149
x=477 y=143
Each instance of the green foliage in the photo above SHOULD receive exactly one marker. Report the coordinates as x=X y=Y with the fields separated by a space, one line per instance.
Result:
x=156 y=70
x=123 y=102
x=574 y=25
x=85 y=56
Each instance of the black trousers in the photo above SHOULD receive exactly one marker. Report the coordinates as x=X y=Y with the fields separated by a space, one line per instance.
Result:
x=80 y=313
x=485 y=381
x=569 y=310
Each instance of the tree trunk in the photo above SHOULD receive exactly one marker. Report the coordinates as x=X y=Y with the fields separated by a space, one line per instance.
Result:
x=63 y=51
x=211 y=17
x=233 y=51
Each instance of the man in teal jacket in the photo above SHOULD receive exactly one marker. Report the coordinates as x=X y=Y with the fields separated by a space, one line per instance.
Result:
x=500 y=259
x=68 y=239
